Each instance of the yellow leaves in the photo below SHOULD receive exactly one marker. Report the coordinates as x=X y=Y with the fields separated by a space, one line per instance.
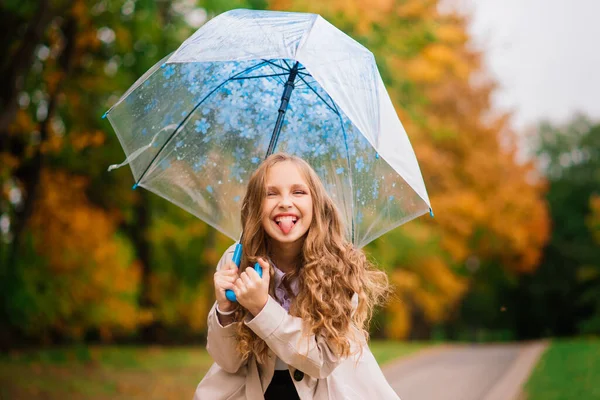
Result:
x=435 y=62
x=439 y=290
x=416 y=8
x=398 y=321
x=53 y=79
x=593 y=220
x=93 y=266
x=23 y=123
x=430 y=286
x=8 y=163
x=79 y=10
x=53 y=144
x=405 y=281
x=83 y=140
x=199 y=307
x=361 y=14
x=280 y=5
x=439 y=54
x=211 y=256
x=451 y=34
x=88 y=40
x=422 y=70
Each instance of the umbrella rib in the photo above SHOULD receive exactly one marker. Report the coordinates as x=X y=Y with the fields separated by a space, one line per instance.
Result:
x=177 y=130
x=271 y=65
x=319 y=96
x=347 y=159
x=257 y=76
x=276 y=65
x=286 y=64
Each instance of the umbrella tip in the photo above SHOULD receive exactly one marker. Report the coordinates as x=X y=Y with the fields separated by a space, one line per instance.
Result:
x=163 y=65
x=104 y=115
x=430 y=212
x=134 y=186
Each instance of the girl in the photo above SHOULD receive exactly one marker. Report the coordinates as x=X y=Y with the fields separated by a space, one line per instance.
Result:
x=299 y=332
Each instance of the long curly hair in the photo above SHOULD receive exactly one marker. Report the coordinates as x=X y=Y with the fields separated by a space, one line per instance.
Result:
x=329 y=270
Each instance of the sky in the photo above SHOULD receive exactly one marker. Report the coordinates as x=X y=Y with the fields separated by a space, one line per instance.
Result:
x=545 y=55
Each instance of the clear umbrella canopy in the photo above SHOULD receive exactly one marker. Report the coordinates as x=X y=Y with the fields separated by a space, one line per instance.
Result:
x=199 y=122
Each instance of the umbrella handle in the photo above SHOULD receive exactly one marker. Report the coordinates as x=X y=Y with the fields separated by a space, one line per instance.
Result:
x=237 y=258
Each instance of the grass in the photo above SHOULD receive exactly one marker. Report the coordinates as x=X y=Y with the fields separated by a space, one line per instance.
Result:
x=386 y=351
x=103 y=373
x=569 y=369
x=123 y=372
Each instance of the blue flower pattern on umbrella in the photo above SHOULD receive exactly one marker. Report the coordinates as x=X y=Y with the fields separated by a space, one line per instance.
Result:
x=201 y=125
x=212 y=113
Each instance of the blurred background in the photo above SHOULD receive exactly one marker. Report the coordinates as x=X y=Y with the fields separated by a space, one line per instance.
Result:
x=104 y=289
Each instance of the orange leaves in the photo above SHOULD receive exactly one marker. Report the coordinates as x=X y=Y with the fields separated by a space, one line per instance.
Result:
x=431 y=287
x=416 y=8
x=7 y=164
x=451 y=34
x=53 y=144
x=85 y=258
x=422 y=70
x=81 y=141
x=593 y=220
x=22 y=123
x=440 y=54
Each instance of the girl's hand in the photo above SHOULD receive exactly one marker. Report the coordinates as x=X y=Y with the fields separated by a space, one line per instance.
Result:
x=224 y=279
x=252 y=291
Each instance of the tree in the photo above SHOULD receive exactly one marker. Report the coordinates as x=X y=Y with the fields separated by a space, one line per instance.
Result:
x=561 y=297
x=65 y=64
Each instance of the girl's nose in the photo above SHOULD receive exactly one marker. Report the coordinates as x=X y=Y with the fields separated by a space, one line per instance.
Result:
x=285 y=202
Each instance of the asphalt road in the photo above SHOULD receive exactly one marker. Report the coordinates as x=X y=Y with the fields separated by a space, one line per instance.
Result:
x=467 y=372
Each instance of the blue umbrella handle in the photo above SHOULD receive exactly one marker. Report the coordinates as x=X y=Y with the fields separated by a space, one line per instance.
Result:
x=237 y=258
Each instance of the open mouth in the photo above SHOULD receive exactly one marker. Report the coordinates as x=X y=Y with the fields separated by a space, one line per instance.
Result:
x=286 y=223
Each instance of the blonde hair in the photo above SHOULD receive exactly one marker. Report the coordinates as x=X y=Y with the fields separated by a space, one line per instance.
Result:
x=330 y=269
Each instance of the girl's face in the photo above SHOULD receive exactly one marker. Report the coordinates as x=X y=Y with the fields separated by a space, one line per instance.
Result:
x=287 y=208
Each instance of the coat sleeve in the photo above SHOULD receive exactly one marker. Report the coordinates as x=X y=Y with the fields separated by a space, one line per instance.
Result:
x=221 y=342
x=287 y=336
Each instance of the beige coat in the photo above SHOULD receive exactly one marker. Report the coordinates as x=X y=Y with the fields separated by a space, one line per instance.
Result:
x=324 y=376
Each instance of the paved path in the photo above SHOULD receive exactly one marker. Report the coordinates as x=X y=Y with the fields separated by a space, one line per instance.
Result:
x=465 y=372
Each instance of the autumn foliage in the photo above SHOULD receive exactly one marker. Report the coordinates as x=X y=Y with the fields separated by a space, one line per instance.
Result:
x=94 y=257
x=87 y=278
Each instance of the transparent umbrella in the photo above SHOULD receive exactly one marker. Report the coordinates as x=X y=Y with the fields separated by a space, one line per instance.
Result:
x=249 y=83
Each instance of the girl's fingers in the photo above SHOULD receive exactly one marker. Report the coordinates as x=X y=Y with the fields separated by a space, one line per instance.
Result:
x=226 y=275
x=246 y=278
x=252 y=274
x=226 y=278
x=239 y=284
x=230 y=266
x=224 y=284
x=265 y=268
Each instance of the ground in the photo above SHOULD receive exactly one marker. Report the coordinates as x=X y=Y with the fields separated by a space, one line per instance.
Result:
x=122 y=372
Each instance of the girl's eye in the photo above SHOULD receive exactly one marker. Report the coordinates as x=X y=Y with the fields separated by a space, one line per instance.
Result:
x=270 y=193
x=299 y=192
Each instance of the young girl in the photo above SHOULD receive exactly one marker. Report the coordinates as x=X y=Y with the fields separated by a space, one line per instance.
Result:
x=299 y=332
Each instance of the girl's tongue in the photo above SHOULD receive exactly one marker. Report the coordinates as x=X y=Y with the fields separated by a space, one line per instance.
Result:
x=286 y=224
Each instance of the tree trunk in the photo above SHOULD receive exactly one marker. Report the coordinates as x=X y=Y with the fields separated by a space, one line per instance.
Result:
x=139 y=236
x=29 y=173
x=421 y=329
x=13 y=76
